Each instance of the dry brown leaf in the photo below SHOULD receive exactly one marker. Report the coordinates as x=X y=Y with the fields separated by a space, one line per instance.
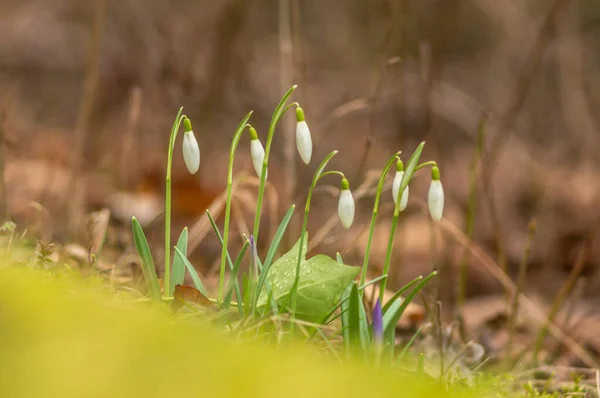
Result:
x=190 y=294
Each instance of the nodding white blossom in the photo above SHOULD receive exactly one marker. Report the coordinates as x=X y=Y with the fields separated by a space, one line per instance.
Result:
x=346 y=205
x=191 y=150
x=435 y=198
x=396 y=186
x=257 y=152
x=303 y=139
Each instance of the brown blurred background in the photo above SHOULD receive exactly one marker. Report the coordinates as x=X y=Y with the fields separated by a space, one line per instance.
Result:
x=89 y=89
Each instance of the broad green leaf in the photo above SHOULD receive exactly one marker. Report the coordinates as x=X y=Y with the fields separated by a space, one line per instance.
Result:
x=143 y=250
x=322 y=281
x=178 y=271
x=195 y=277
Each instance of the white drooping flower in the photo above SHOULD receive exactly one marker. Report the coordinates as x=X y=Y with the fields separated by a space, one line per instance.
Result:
x=303 y=139
x=346 y=205
x=191 y=150
x=257 y=153
x=435 y=199
x=396 y=186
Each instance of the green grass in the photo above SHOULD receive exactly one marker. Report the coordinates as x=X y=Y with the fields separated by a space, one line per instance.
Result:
x=68 y=337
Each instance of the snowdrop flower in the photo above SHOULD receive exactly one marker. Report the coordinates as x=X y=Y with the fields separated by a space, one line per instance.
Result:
x=303 y=140
x=435 y=198
x=257 y=152
x=396 y=186
x=191 y=151
x=346 y=205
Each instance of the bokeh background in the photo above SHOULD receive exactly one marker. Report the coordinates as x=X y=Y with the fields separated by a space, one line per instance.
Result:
x=89 y=90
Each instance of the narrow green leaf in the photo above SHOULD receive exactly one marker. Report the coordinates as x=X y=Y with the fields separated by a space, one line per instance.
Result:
x=143 y=250
x=395 y=311
x=400 y=356
x=178 y=270
x=345 y=315
x=238 y=291
x=363 y=325
x=272 y=306
x=354 y=318
x=280 y=108
x=248 y=289
x=412 y=164
x=234 y=275
x=273 y=249
x=190 y=268
x=404 y=288
x=373 y=281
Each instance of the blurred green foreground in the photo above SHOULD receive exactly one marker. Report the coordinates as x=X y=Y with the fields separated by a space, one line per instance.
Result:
x=64 y=336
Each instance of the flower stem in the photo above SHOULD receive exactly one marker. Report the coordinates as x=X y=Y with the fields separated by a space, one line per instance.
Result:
x=279 y=111
x=411 y=167
x=391 y=161
x=318 y=174
x=234 y=143
x=390 y=248
x=172 y=139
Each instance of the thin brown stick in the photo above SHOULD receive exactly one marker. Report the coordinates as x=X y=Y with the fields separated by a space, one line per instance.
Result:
x=135 y=106
x=76 y=204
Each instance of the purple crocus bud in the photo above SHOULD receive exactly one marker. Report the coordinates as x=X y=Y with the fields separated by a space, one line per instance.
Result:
x=253 y=252
x=377 y=324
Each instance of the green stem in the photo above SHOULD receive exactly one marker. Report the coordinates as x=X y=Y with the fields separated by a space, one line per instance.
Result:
x=411 y=167
x=390 y=248
x=429 y=163
x=316 y=177
x=363 y=274
x=234 y=143
x=333 y=172
x=279 y=111
x=172 y=139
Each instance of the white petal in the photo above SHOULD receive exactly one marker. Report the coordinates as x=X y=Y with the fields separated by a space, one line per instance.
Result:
x=191 y=152
x=396 y=187
x=435 y=200
x=346 y=208
x=303 y=141
x=257 y=153
x=404 y=199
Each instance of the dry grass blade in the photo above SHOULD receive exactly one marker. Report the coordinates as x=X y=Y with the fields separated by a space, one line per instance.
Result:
x=510 y=286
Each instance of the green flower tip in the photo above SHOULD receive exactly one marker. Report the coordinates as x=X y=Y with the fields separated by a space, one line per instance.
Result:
x=187 y=124
x=253 y=135
x=399 y=165
x=345 y=184
x=435 y=173
x=299 y=114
